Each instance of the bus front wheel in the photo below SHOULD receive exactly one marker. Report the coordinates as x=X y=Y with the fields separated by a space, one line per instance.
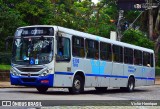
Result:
x=42 y=89
x=77 y=86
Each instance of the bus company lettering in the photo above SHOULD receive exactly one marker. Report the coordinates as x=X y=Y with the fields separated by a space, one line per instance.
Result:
x=28 y=103
x=144 y=103
x=75 y=62
x=131 y=69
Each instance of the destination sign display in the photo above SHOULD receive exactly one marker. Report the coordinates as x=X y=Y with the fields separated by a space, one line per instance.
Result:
x=35 y=31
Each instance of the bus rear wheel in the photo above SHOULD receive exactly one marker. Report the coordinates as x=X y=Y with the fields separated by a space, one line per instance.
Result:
x=42 y=89
x=131 y=84
x=77 y=86
x=101 y=89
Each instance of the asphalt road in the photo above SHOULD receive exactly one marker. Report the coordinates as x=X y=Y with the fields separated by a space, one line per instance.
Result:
x=141 y=93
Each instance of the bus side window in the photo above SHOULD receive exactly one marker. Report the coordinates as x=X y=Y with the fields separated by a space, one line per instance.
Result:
x=118 y=53
x=63 y=49
x=138 y=57
x=78 y=46
x=105 y=51
x=152 y=58
x=128 y=55
x=92 y=49
x=146 y=59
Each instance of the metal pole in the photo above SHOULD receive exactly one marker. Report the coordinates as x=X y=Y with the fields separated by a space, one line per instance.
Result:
x=118 y=24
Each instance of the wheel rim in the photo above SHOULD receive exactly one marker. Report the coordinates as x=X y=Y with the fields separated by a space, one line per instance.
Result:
x=131 y=85
x=77 y=84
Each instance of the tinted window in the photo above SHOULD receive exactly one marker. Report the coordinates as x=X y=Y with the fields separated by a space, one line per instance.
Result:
x=128 y=55
x=78 y=46
x=137 y=57
x=117 y=53
x=92 y=49
x=105 y=51
x=152 y=59
x=146 y=59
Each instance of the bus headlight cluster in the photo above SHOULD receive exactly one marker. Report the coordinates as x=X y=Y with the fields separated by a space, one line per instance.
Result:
x=14 y=72
x=46 y=72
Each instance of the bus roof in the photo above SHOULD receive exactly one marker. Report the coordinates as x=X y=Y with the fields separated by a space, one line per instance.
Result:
x=102 y=39
x=90 y=36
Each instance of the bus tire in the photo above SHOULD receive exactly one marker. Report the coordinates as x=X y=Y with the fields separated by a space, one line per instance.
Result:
x=101 y=89
x=77 y=86
x=130 y=85
x=42 y=89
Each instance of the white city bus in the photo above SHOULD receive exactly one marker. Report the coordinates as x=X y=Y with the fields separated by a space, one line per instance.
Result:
x=51 y=56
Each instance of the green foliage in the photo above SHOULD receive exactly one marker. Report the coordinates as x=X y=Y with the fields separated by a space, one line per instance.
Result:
x=157 y=70
x=35 y=11
x=5 y=58
x=130 y=16
x=15 y=13
x=10 y=20
x=158 y=62
x=5 y=67
x=138 y=38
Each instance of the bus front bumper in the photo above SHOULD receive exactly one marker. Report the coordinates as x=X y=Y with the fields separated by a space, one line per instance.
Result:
x=32 y=81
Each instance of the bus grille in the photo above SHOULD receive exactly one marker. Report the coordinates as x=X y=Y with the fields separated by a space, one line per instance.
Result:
x=29 y=69
x=28 y=79
x=30 y=74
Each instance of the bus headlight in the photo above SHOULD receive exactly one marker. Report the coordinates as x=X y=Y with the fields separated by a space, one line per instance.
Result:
x=14 y=72
x=46 y=72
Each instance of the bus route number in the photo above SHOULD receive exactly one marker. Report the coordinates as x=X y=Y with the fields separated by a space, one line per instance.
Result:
x=75 y=62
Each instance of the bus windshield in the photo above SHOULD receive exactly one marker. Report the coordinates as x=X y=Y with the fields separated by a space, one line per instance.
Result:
x=32 y=50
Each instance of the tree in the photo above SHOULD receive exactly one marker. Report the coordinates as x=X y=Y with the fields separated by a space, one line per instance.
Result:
x=35 y=11
x=86 y=16
x=157 y=34
x=136 y=37
x=10 y=20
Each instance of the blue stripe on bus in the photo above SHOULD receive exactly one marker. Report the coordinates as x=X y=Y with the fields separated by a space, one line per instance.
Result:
x=115 y=76
x=96 y=75
x=100 y=75
x=64 y=73
x=112 y=76
x=145 y=78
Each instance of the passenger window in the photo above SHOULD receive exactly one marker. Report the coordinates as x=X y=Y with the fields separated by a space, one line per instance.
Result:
x=78 y=46
x=63 y=49
x=117 y=53
x=152 y=58
x=128 y=55
x=92 y=49
x=105 y=51
x=146 y=59
x=137 y=57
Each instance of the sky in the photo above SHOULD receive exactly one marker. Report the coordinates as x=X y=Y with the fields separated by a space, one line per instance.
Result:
x=95 y=1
